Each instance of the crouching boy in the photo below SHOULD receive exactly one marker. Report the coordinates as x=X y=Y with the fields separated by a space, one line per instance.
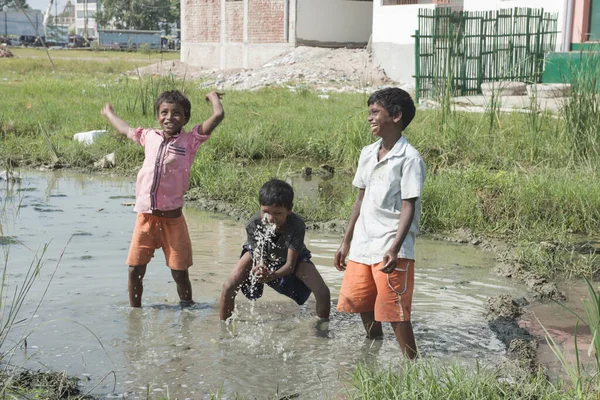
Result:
x=275 y=254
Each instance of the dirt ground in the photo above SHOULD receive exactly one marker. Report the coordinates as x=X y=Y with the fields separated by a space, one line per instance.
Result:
x=328 y=70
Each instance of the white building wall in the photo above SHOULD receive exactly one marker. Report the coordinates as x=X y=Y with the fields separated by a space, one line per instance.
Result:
x=392 y=43
x=80 y=23
x=482 y=5
x=331 y=22
x=554 y=6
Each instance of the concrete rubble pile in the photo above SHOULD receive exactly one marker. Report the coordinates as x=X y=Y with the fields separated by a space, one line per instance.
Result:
x=335 y=70
x=5 y=52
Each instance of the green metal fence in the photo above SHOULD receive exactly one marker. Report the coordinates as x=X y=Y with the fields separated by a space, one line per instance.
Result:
x=462 y=50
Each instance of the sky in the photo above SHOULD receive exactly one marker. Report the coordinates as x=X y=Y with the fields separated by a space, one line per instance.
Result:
x=43 y=4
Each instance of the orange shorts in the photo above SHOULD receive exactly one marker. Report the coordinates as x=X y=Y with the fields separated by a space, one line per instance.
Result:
x=152 y=232
x=366 y=289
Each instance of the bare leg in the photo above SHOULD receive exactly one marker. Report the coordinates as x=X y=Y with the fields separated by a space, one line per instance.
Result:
x=373 y=328
x=184 y=286
x=406 y=338
x=240 y=273
x=135 y=285
x=308 y=273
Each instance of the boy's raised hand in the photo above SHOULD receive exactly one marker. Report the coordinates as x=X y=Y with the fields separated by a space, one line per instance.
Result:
x=121 y=126
x=107 y=110
x=214 y=98
x=214 y=95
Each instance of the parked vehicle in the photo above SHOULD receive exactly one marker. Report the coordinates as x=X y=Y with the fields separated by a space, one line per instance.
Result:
x=76 y=41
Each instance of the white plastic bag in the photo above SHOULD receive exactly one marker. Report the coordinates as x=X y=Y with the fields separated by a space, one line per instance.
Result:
x=88 y=138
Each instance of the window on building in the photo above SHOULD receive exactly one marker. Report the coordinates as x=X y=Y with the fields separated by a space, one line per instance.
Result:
x=90 y=13
x=86 y=1
x=399 y=2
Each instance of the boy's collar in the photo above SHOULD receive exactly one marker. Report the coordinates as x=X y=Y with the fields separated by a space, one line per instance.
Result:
x=397 y=150
x=162 y=133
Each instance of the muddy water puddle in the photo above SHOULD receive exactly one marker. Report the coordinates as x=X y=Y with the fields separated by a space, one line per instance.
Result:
x=84 y=324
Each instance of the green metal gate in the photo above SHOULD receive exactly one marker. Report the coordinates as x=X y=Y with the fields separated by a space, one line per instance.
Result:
x=462 y=50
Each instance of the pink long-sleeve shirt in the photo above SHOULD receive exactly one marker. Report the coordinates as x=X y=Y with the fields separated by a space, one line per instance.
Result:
x=165 y=174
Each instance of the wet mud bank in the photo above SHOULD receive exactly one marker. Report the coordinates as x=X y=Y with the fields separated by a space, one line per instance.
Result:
x=503 y=313
x=42 y=385
x=507 y=264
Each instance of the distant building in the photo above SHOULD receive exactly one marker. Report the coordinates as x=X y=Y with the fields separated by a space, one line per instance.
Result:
x=13 y=22
x=59 y=26
x=67 y=16
x=129 y=39
x=247 y=33
x=85 y=18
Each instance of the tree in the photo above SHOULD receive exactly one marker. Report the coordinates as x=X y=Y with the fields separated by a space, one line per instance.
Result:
x=138 y=14
x=6 y=4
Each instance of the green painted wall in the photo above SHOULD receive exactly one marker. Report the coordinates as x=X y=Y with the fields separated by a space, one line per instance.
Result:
x=595 y=20
x=560 y=67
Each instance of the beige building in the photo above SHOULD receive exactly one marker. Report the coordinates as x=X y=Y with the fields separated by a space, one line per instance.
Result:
x=247 y=33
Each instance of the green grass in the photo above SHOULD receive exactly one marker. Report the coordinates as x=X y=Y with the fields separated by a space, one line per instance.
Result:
x=99 y=55
x=429 y=379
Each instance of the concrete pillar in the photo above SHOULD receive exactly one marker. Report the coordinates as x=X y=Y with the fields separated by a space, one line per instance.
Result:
x=246 y=56
x=223 y=55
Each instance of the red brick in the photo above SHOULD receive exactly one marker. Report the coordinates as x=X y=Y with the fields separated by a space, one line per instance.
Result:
x=234 y=26
x=202 y=21
x=266 y=21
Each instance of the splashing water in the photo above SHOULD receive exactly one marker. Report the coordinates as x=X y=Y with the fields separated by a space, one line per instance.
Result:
x=263 y=236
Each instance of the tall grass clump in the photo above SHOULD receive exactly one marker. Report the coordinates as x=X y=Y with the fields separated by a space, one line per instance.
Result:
x=428 y=379
x=13 y=292
x=585 y=379
x=141 y=95
x=581 y=110
x=547 y=203
x=349 y=139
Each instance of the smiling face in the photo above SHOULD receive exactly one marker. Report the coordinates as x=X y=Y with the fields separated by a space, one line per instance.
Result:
x=381 y=121
x=275 y=215
x=171 y=117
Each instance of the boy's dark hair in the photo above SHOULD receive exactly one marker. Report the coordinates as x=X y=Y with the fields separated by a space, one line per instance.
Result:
x=395 y=101
x=174 y=97
x=276 y=192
